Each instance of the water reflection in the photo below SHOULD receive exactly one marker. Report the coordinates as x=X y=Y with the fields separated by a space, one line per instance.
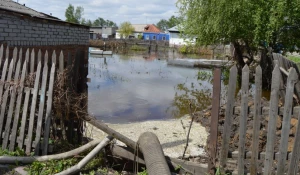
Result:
x=136 y=87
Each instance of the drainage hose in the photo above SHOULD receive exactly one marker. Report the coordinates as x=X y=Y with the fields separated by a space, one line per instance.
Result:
x=153 y=154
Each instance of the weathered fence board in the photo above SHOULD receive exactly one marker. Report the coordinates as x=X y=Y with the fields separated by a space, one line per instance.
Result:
x=3 y=108
x=48 y=110
x=41 y=109
x=32 y=60
x=293 y=167
x=24 y=118
x=32 y=110
x=256 y=120
x=228 y=117
x=292 y=78
x=1 y=53
x=243 y=118
x=18 y=106
x=272 y=121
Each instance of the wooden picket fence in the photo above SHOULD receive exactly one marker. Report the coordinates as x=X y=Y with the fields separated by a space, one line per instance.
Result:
x=25 y=114
x=268 y=156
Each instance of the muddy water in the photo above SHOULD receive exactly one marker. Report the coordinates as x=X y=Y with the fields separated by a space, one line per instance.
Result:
x=138 y=87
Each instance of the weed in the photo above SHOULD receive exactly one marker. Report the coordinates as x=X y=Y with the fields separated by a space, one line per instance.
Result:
x=137 y=48
x=144 y=172
x=18 y=152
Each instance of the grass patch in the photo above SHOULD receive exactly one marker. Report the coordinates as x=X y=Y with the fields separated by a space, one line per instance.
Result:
x=295 y=59
x=138 y=48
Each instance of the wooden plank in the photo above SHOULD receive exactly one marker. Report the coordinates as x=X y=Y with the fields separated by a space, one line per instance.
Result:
x=24 y=118
x=18 y=106
x=293 y=166
x=54 y=57
x=292 y=78
x=3 y=109
x=61 y=62
x=46 y=58
x=3 y=76
x=48 y=111
x=9 y=75
x=214 y=119
x=27 y=56
x=15 y=55
x=21 y=55
x=273 y=115
x=33 y=106
x=39 y=56
x=11 y=107
x=243 y=118
x=228 y=117
x=32 y=61
x=41 y=109
x=7 y=52
x=256 y=120
x=1 y=53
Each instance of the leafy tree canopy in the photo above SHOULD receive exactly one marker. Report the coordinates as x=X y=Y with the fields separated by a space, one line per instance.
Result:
x=252 y=23
x=74 y=15
x=102 y=22
x=166 y=24
x=126 y=29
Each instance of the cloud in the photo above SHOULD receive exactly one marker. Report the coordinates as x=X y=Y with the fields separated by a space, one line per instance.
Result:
x=134 y=11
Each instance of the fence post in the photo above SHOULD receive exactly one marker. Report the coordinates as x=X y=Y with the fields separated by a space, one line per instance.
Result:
x=214 y=120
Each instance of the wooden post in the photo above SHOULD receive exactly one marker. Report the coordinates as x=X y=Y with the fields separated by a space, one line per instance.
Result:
x=214 y=120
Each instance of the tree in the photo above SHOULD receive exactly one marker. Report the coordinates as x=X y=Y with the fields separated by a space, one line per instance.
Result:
x=126 y=29
x=100 y=22
x=166 y=24
x=74 y=16
x=248 y=25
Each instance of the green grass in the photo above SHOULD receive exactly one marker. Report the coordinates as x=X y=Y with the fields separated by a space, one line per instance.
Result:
x=138 y=48
x=295 y=59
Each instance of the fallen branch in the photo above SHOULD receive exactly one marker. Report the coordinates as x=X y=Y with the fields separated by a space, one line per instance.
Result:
x=76 y=168
x=27 y=160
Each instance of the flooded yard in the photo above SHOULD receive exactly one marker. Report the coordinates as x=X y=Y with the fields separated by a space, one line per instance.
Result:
x=137 y=87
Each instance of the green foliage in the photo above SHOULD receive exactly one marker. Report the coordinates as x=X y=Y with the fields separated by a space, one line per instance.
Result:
x=138 y=48
x=126 y=29
x=100 y=22
x=253 y=23
x=74 y=16
x=295 y=59
x=204 y=75
x=188 y=49
x=50 y=167
x=166 y=24
x=144 y=172
x=18 y=152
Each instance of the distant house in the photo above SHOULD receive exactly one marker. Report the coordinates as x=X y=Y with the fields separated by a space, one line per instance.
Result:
x=151 y=32
x=138 y=31
x=102 y=32
x=176 y=39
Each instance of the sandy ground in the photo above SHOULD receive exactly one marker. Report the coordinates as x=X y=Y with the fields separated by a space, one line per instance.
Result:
x=172 y=134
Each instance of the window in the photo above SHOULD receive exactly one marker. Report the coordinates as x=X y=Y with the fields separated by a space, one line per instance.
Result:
x=91 y=36
x=163 y=38
x=147 y=37
x=154 y=37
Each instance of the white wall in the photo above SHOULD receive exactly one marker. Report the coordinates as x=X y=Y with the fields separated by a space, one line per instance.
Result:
x=176 y=40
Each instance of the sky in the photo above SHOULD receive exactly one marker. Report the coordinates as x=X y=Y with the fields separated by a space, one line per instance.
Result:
x=118 y=11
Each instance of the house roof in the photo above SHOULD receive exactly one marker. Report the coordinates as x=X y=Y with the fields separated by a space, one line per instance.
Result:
x=152 y=28
x=12 y=6
x=173 y=29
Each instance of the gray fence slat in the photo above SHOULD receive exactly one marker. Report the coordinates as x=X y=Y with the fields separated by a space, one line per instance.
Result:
x=3 y=108
x=48 y=110
x=228 y=117
x=27 y=56
x=11 y=107
x=41 y=109
x=292 y=78
x=3 y=76
x=1 y=53
x=24 y=118
x=33 y=106
x=32 y=58
x=18 y=106
x=10 y=71
x=54 y=57
x=256 y=120
x=61 y=61
x=293 y=167
x=46 y=57
x=243 y=118
x=20 y=55
x=39 y=56
x=273 y=115
x=15 y=55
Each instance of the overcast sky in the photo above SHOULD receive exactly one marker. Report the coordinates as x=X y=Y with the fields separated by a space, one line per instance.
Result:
x=134 y=11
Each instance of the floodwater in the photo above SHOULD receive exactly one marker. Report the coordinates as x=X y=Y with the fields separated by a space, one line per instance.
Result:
x=138 y=87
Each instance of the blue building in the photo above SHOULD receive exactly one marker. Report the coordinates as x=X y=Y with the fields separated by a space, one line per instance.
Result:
x=156 y=36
